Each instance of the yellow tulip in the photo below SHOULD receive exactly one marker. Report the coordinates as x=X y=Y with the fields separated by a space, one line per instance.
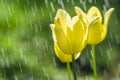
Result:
x=69 y=35
x=64 y=57
x=97 y=31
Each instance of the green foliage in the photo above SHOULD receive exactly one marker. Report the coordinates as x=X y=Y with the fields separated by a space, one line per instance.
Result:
x=26 y=47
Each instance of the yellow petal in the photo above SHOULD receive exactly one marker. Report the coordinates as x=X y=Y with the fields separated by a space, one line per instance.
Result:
x=81 y=14
x=62 y=19
x=92 y=20
x=94 y=11
x=106 y=19
x=60 y=39
x=62 y=56
x=77 y=35
x=107 y=16
x=95 y=32
x=52 y=26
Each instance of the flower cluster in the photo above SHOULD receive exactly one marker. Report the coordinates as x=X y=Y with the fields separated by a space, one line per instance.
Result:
x=71 y=35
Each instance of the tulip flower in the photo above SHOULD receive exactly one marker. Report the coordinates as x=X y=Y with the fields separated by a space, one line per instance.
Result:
x=69 y=35
x=97 y=31
x=62 y=56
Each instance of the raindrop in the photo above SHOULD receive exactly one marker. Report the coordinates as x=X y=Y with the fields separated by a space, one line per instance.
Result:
x=31 y=78
x=33 y=11
x=59 y=1
x=46 y=45
x=3 y=52
x=25 y=10
x=18 y=1
x=15 y=77
x=36 y=60
x=46 y=3
x=108 y=65
x=17 y=23
x=119 y=65
x=52 y=6
x=28 y=39
x=47 y=76
x=36 y=28
x=7 y=62
x=88 y=54
x=51 y=16
x=104 y=9
x=117 y=39
x=7 y=22
x=95 y=1
x=84 y=5
x=101 y=53
x=51 y=50
x=28 y=2
x=90 y=1
x=83 y=2
x=116 y=20
x=44 y=71
x=62 y=4
x=68 y=1
x=86 y=78
x=42 y=12
x=78 y=68
x=21 y=53
x=12 y=8
x=117 y=76
x=91 y=64
x=20 y=67
x=40 y=26
x=25 y=59
x=107 y=3
x=10 y=11
x=2 y=63
x=31 y=26
x=2 y=2
x=22 y=20
x=72 y=1
x=36 y=42
x=108 y=55
x=82 y=60
x=4 y=73
x=9 y=42
x=54 y=62
x=35 y=7
x=109 y=44
x=111 y=36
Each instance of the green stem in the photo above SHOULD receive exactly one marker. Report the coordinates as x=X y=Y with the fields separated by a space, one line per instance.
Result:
x=94 y=62
x=74 y=67
x=68 y=70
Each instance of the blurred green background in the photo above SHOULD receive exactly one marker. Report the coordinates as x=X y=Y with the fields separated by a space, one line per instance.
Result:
x=26 y=45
